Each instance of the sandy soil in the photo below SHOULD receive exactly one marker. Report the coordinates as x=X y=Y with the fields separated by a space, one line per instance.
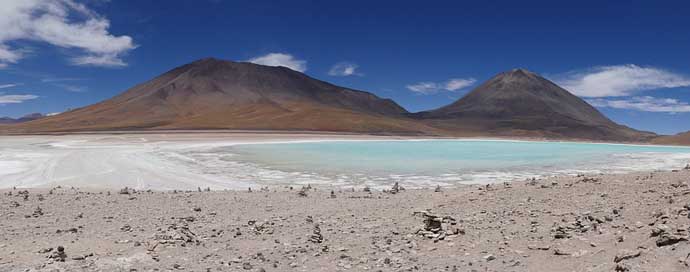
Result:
x=632 y=222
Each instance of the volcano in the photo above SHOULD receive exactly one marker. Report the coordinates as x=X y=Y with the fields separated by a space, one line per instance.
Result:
x=217 y=94
x=522 y=103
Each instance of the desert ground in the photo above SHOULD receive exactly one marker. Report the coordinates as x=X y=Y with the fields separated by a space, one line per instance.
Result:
x=631 y=222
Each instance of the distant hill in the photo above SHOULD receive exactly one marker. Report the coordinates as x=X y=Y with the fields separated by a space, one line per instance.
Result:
x=522 y=103
x=217 y=94
x=25 y=118
x=678 y=139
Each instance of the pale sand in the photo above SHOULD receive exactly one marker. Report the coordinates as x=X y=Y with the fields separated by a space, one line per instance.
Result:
x=632 y=222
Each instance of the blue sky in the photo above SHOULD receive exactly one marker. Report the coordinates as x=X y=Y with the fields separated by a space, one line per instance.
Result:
x=631 y=59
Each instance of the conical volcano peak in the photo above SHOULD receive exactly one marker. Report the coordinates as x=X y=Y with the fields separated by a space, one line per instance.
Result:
x=518 y=73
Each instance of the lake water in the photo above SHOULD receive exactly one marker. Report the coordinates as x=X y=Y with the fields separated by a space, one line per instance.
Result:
x=430 y=162
x=159 y=162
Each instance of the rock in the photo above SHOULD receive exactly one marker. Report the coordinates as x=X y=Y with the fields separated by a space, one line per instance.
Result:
x=37 y=212
x=332 y=194
x=622 y=267
x=626 y=255
x=58 y=255
x=687 y=167
x=561 y=252
x=561 y=232
x=247 y=266
x=539 y=247
x=667 y=239
x=489 y=258
x=126 y=228
x=438 y=189
x=303 y=192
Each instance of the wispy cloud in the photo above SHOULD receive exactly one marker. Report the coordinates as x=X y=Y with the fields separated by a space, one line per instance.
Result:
x=62 y=82
x=451 y=85
x=344 y=69
x=619 y=80
x=60 y=79
x=61 y=23
x=5 y=86
x=15 y=98
x=643 y=103
x=281 y=59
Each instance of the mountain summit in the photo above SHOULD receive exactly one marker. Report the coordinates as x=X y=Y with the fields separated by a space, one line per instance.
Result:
x=217 y=94
x=520 y=102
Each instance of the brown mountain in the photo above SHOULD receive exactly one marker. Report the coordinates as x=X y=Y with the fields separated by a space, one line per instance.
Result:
x=216 y=94
x=678 y=139
x=522 y=103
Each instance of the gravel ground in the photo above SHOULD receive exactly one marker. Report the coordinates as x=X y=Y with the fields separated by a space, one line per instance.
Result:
x=631 y=222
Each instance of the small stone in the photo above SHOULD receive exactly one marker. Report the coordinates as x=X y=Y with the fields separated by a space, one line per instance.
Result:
x=489 y=258
x=626 y=255
x=438 y=189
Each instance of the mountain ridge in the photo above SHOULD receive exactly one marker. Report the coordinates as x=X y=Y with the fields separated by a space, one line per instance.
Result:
x=217 y=94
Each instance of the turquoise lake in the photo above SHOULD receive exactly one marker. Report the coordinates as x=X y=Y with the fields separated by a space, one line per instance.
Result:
x=430 y=162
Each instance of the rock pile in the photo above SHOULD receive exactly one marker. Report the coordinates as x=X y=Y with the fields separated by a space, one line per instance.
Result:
x=177 y=234
x=37 y=212
x=582 y=224
x=264 y=227
x=127 y=191
x=438 y=189
x=395 y=189
x=316 y=236
x=666 y=237
x=438 y=227
x=303 y=192
x=58 y=255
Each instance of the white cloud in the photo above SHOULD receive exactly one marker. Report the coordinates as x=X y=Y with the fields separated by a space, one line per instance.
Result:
x=281 y=59
x=620 y=80
x=424 y=87
x=62 y=23
x=5 y=86
x=107 y=60
x=451 y=85
x=344 y=69
x=15 y=98
x=458 y=83
x=643 y=103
